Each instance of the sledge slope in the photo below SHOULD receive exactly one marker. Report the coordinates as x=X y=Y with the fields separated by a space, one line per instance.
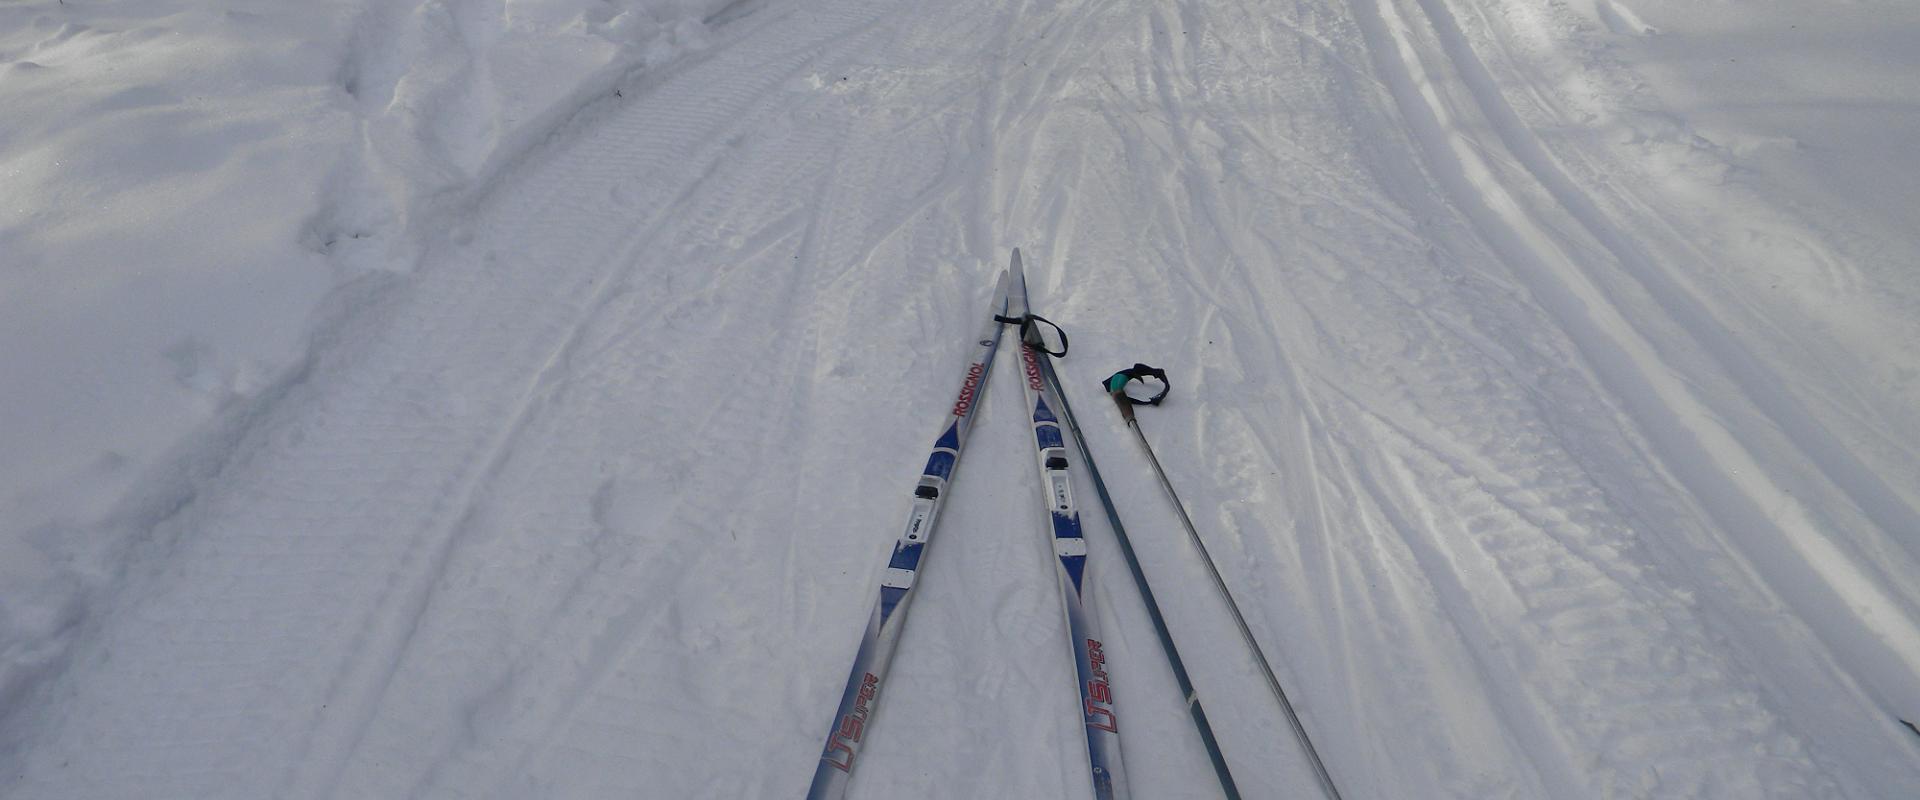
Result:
x=1548 y=396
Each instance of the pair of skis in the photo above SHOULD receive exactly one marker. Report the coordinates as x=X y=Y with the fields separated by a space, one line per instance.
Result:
x=888 y=619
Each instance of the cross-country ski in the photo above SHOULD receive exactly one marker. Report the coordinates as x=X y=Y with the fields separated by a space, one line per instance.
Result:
x=1069 y=546
x=854 y=717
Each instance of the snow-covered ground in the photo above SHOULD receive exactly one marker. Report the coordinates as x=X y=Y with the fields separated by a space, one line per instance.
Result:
x=518 y=399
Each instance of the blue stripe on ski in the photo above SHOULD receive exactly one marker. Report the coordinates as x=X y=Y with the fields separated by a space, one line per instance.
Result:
x=1041 y=413
x=1048 y=436
x=1076 y=567
x=889 y=599
x=906 y=556
x=940 y=464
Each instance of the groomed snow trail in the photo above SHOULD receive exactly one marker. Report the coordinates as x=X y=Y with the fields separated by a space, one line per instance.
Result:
x=590 y=503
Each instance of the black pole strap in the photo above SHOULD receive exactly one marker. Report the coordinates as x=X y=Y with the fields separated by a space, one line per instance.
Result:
x=1029 y=333
x=1116 y=384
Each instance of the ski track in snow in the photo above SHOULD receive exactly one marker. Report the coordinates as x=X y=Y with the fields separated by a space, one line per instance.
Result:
x=591 y=503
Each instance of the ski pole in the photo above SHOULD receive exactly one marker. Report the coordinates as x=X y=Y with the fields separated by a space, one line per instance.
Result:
x=1116 y=386
x=1146 y=592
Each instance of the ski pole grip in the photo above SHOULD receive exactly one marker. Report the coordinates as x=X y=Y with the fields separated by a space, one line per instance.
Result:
x=1117 y=384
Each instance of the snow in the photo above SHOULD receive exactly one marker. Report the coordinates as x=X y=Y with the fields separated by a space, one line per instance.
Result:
x=518 y=399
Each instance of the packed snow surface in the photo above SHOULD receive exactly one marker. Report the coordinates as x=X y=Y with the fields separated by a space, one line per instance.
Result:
x=517 y=399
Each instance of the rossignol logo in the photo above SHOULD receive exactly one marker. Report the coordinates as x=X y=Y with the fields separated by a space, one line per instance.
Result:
x=1099 y=694
x=1032 y=366
x=964 y=403
x=852 y=726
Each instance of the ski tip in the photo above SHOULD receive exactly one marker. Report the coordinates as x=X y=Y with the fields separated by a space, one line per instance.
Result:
x=1016 y=258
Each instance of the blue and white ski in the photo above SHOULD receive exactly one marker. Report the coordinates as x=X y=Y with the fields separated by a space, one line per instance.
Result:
x=889 y=616
x=1096 y=691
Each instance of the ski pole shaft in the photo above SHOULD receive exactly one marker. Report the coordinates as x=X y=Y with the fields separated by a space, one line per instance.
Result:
x=1125 y=404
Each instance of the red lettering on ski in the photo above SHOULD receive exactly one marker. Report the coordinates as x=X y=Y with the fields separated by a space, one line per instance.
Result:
x=964 y=403
x=852 y=726
x=1099 y=693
